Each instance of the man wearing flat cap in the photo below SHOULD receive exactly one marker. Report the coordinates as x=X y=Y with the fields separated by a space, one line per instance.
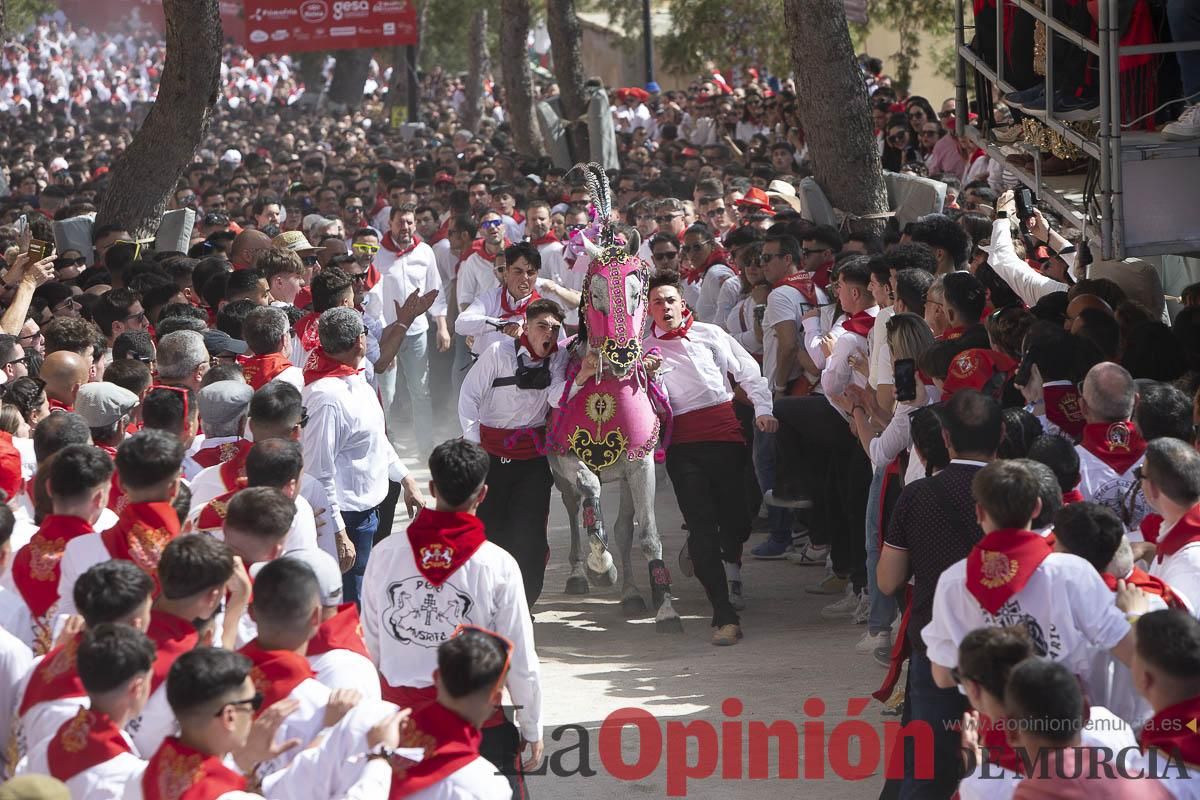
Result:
x=224 y=406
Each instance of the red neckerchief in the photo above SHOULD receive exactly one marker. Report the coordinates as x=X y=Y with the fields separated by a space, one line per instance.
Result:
x=442 y=541
x=1151 y=527
x=860 y=322
x=951 y=333
x=802 y=282
x=1062 y=407
x=517 y=216
x=58 y=404
x=261 y=370
x=450 y=743
x=680 y=332
x=179 y=772
x=36 y=567
x=212 y=516
x=1148 y=584
x=524 y=340
x=1168 y=731
x=442 y=232
x=233 y=472
x=822 y=274
x=373 y=277
x=480 y=249
x=1182 y=533
x=342 y=631
x=141 y=533
x=306 y=331
x=109 y=450
x=507 y=311
x=390 y=245
x=320 y=365
x=999 y=565
x=1073 y=496
x=994 y=741
x=547 y=239
x=718 y=256
x=172 y=636
x=54 y=677
x=1117 y=444
x=275 y=672
x=220 y=453
x=86 y=740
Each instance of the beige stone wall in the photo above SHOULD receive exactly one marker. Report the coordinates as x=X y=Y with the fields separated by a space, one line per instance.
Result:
x=882 y=42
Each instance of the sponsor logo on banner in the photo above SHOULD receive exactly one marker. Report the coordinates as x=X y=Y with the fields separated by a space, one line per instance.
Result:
x=258 y=36
x=279 y=35
x=349 y=9
x=261 y=14
x=389 y=7
x=389 y=29
x=344 y=30
x=314 y=11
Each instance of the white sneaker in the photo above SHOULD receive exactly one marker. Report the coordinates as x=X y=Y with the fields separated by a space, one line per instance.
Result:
x=863 y=610
x=842 y=608
x=1186 y=127
x=809 y=556
x=870 y=642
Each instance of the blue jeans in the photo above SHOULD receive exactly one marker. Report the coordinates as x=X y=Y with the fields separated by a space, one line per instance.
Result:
x=413 y=361
x=779 y=519
x=360 y=527
x=883 y=606
x=1184 y=19
x=941 y=710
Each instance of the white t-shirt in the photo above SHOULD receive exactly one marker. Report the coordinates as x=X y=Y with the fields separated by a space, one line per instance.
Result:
x=785 y=305
x=1065 y=606
x=1181 y=571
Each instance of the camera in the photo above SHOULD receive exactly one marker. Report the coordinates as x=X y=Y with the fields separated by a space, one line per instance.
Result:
x=1024 y=200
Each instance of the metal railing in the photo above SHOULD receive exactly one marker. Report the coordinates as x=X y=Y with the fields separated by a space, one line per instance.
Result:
x=1106 y=149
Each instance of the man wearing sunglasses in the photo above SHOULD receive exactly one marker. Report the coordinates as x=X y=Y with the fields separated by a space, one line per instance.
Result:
x=477 y=273
x=13 y=359
x=446 y=564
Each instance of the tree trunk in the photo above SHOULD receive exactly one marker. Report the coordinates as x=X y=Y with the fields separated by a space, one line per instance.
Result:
x=565 y=38
x=312 y=75
x=349 y=77
x=518 y=77
x=143 y=178
x=477 y=68
x=834 y=111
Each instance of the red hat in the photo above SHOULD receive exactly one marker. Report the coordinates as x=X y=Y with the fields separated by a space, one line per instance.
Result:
x=756 y=199
x=443 y=177
x=978 y=369
x=689 y=152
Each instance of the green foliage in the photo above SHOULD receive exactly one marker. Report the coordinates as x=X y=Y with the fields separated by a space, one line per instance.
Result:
x=743 y=34
x=19 y=15
x=448 y=29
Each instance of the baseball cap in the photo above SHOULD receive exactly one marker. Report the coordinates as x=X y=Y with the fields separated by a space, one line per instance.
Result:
x=231 y=157
x=103 y=404
x=218 y=342
x=328 y=575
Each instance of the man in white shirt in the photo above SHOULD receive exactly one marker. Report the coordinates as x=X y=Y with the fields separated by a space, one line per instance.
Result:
x=1112 y=448
x=266 y=332
x=1166 y=671
x=337 y=652
x=707 y=270
x=16 y=660
x=503 y=406
x=477 y=269
x=51 y=694
x=223 y=409
x=498 y=314
x=1170 y=477
x=91 y=752
x=787 y=365
x=707 y=451
x=345 y=441
x=1012 y=577
x=554 y=263
x=441 y=573
x=408 y=264
x=469 y=681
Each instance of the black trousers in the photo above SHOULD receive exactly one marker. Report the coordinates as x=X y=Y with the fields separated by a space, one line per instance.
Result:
x=711 y=495
x=745 y=417
x=816 y=454
x=501 y=745
x=514 y=515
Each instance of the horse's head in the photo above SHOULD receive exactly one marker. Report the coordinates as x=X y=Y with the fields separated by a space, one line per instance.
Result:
x=614 y=300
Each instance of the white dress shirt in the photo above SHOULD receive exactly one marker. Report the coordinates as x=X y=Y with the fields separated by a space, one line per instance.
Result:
x=710 y=288
x=478 y=780
x=415 y=270
x=302 y=535
x=105 y=781
x=345 y=446
x=345 y=669
x=507 y=407
x=696 y=369
x=485 y=591
x=16 y=660
x=476 y=275
x=728 y=297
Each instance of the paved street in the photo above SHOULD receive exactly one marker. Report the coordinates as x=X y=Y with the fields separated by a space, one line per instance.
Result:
x=596 y=662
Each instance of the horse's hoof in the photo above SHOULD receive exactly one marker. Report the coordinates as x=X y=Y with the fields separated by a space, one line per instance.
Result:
x=633 y=605
x=603 y=579
x=668 y=625
x=577 y=584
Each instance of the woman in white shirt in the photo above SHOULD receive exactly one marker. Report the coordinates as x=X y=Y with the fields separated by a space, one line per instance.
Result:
x=752 y=290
